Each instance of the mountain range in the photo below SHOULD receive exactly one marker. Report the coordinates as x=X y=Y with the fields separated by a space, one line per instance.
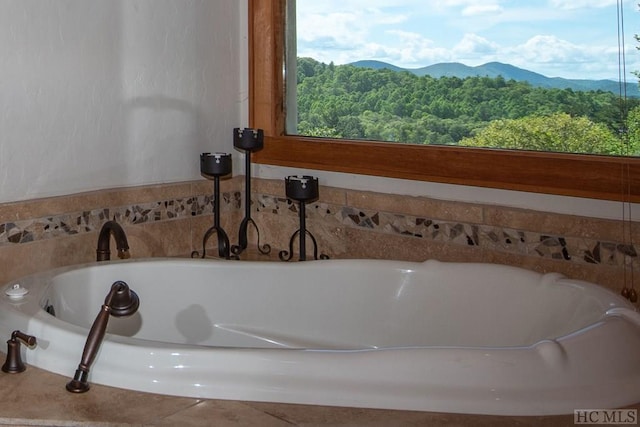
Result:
x=508 y=72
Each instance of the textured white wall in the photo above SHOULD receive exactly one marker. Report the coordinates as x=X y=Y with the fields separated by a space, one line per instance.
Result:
x=111 y=93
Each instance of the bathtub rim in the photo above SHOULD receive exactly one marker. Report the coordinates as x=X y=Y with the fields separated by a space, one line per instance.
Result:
x=41 y=320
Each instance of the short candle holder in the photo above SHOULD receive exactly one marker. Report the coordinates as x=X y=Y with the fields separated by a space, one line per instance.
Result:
x=214 y=166
x=249 y=140
x=303 y=189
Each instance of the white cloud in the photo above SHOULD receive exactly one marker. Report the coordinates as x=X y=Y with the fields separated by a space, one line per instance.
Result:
x=468 y=7
x=334 y=25
x=551 y=49
x=458 y=3
x=350 y=27
x=580 y=4
x=481 y=9
x=555 y=57
x=414 y=48
x=474 y=45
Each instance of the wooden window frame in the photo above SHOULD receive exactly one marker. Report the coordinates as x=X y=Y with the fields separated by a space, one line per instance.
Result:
x=590 y=176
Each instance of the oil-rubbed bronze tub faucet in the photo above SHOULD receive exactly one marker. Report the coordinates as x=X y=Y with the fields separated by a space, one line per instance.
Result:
x=121 y=301
x=103 y=253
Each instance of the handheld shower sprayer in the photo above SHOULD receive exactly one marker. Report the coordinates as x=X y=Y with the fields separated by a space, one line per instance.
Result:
x=121 y=301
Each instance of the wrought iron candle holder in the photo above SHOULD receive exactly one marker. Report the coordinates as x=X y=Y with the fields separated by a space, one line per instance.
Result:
x=303 y=189
x=249 y=140
x=214 y=166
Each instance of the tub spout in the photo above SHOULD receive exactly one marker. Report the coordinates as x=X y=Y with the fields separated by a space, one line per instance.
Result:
x=103 y=252
x=121 y=301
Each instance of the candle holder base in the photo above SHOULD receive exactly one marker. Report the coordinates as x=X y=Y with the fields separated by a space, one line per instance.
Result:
x=223 y=244
x=287 y=255
x=243 y=242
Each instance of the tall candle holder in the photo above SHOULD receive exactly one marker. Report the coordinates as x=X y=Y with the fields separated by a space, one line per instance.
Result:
x=214 y=166
x=303 y=189
x=249 y=140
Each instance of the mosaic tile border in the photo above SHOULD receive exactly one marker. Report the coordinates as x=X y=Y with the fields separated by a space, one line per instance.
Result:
x=74 y=223
x=507 y=240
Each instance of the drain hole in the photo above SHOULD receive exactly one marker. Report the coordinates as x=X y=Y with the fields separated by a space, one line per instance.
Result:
x=49 y=309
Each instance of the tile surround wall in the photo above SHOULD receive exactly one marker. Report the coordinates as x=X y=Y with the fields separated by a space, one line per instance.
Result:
x=161 y=220
x=170 y=220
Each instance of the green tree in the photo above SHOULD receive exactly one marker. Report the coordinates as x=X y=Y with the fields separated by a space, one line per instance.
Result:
x=632 y=147
x=558 y=132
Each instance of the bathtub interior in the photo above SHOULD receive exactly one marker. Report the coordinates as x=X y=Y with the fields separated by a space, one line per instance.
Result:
x=333 y=304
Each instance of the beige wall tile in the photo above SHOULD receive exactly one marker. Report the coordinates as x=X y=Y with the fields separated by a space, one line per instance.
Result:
x=19 y=260
x=415 y=206
x=273 y=187
x=371 y=244
x=557 y=224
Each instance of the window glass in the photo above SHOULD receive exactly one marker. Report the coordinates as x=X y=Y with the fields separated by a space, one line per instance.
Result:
x=545 y=75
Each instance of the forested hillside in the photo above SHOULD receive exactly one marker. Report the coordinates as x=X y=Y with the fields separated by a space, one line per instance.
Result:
x=509 y=72
x=380 y=104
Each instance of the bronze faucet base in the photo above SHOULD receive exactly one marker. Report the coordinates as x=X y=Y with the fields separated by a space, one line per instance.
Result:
x=79 y=383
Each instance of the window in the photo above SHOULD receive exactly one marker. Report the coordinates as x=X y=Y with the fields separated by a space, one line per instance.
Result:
x=552 y=173
x=465 y=74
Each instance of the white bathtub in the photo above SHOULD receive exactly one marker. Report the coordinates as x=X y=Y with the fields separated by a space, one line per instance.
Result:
x=466 y=338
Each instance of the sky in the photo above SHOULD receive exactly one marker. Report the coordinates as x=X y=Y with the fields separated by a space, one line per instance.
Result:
x=576 y=39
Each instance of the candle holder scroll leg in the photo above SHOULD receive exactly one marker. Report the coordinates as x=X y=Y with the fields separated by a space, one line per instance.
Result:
x=315 y=247
x=223 y=243
x=243 y=240
x=287 y=255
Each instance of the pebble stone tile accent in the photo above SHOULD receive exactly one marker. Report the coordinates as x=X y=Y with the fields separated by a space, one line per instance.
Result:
x=521 y=242
x=87 y=221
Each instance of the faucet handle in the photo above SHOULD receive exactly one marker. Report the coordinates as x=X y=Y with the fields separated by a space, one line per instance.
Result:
x=13 y=363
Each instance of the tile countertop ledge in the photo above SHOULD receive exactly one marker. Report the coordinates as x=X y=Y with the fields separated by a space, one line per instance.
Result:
x=38 y=398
